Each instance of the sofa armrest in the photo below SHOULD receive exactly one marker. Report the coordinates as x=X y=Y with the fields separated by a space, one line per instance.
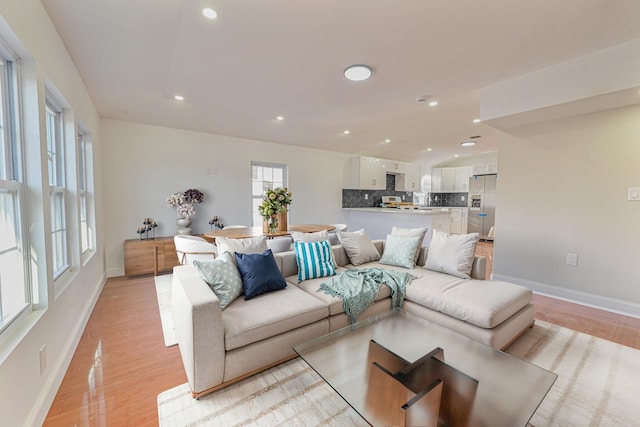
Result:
x=197 y=319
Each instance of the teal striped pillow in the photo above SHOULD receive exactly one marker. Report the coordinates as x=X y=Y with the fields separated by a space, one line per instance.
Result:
x=314 y=260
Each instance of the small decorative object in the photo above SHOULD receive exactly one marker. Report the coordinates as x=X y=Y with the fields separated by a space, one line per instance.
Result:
x=215 y=223
x=148 y=225
x=183 y=202
x=274 y=208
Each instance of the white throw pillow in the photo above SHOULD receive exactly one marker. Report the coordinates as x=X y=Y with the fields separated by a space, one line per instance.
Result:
x=253 y=245
x=452 y=254
x=411 y=232
x=400 y=251
x=358 y=247
x=319 y=236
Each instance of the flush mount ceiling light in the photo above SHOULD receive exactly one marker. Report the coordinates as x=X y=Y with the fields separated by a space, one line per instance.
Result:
x=468 y=143
x=179 y=98
x=358 y=72
x=280 y=118
x=476 y=120
x=433 y=103
x=347 y=132
x=209 y=13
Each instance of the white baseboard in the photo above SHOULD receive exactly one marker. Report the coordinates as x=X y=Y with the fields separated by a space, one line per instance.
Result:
x=591 y=300
x=48 y=393
x=115 y=272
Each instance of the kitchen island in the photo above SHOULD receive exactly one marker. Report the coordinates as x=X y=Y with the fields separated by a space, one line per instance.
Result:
x=378 y=222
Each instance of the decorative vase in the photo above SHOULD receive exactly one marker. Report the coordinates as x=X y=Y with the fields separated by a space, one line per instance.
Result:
x=183 y=225
x=273 y=223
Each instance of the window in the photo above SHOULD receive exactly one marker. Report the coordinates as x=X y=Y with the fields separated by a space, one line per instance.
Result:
x=263 y=177
x=57 y=190
x=84 y=169
x=15 y=296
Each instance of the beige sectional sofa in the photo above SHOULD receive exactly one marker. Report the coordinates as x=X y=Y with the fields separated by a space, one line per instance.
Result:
x=219 y=347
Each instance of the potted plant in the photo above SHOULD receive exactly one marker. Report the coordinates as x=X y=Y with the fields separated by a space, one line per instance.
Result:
x=273 y=209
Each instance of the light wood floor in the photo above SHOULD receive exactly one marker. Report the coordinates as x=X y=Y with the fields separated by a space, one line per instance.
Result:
x=121 y=363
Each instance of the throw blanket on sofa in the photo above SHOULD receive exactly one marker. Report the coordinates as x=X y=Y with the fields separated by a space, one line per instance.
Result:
x=358 y=288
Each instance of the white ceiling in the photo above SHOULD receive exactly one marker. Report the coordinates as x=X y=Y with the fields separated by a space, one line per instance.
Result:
x=260 y=59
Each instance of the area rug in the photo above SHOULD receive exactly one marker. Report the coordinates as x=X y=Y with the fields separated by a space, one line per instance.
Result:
x=597 y=385
x=163 y=292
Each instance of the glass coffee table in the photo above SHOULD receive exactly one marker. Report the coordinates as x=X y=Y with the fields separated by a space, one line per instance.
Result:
x=399 y=369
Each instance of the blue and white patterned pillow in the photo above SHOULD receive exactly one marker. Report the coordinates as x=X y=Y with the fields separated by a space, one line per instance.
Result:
x=314 y=260
x=400 y=251
x=222 y=276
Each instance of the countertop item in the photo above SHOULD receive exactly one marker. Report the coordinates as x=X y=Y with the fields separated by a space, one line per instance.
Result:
x=419 y=211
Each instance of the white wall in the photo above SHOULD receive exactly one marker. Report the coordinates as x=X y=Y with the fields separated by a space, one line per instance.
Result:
x=563 y=188
x=25 y=394
x=144 y=164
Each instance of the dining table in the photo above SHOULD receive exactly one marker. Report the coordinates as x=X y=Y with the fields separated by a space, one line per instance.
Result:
x=244 y=233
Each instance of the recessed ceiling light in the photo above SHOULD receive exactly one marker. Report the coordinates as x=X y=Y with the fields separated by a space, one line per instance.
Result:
x=281 y=118
x=476 y=120
x=433 y=103
x=179 y=98
x=209 y=13
x=347 y=132
x=456 y=155
x=468 y=143
x=386 y=141
x=357 y=72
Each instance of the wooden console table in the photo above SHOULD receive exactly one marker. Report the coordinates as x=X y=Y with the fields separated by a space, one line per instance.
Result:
x=149 y=256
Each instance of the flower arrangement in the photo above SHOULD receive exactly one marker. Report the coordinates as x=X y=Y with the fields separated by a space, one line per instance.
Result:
x=183 y=202
x=276 y=201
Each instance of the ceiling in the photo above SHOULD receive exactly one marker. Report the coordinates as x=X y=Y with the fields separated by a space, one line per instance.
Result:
x=260 y=59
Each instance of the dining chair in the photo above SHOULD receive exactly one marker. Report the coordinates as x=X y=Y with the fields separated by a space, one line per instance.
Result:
x=333 y=235
x=279 y=244
x=191 y=248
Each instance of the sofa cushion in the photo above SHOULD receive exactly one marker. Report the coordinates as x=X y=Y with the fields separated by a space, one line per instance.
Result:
x=222 y=276
x=411 y=232
x=451 y=253
x=358 y=246
x=253 y=245
x=334 y=303
x=260 y=274
x=484 y=303
x=415 y=271
x=270 y=314
x=401 y=251
x=314 y=259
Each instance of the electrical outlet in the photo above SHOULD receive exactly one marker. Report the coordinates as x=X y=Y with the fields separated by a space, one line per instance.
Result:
x=43 y=359
x=572 y=259
x=633 y=193
x=366 y=196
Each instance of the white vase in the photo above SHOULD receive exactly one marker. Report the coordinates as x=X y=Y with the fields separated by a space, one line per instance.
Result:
x=183 y=225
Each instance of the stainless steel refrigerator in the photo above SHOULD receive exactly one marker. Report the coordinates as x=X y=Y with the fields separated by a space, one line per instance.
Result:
x=482 y=205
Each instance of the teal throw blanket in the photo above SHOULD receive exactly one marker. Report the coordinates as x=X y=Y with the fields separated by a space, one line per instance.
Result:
x=357 y=288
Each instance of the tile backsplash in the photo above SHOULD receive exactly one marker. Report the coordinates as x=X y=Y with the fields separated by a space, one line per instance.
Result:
x=356 y=198
x=457 y=200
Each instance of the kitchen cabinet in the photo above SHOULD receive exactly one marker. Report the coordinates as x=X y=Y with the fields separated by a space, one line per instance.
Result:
x=394 y=166
x=458 y=220
x=451 y=179
x=488 y=168
x=366 y=173
x=410 y=179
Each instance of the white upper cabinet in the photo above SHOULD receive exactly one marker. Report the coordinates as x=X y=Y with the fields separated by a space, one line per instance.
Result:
x=450 y=179
x=485 y=168
x=394 y=166
x=410 y=179
x=462 y=179
x=366 y=173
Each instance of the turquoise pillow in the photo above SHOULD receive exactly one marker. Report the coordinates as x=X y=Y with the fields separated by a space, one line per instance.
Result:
x=222 y=276
x=400 y=251
x=314 y=260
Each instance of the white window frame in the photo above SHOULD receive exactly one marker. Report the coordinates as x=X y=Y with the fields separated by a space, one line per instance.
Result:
x=258 y=186
x=60 y=254
x=85 y=200
x=13 y=257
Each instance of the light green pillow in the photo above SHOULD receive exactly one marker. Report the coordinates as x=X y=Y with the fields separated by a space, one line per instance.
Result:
x=222 y=276
x=400 y=251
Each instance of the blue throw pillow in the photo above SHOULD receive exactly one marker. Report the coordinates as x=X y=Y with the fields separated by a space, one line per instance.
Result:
x=260 y=274
x=314 y=260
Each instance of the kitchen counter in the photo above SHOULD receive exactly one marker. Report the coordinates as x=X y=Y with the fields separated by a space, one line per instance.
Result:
x=420 y=211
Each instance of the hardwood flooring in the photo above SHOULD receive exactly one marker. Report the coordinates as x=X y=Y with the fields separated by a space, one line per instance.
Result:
x=121 y=363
